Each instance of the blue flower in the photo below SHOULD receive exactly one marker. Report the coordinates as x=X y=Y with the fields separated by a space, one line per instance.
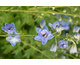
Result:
x=43 y=35
x=53 y=26
x=73 y=49
x=63 y=44
x=13 y=39
x=59 y=28
x=9 y=28
x=53 y=48
x=64 y=24
x=56 y=26
x=76 y=35
x=42 y=23
x=75 y=29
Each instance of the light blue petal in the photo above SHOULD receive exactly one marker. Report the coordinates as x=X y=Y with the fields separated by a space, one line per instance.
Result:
x=66 y=27
x=6 y=24
x=44 y=42
x=13 y=44
x=57 y=23
x=13 y=24
x=19 y=40
x=3 y=28
x=37 y=38
x=15 y=32
x=53 y=48
x=42 y=23
x=38 y=29
x=45 y=27
x=50 y=37
x=9 y=38
x=51 y=26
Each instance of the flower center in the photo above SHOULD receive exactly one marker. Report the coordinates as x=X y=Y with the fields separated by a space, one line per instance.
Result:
x=57 y=26
x=9 y=28
x=44 y=35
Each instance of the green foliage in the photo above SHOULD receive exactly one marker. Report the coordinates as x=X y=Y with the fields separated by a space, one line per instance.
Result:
x=26 y=19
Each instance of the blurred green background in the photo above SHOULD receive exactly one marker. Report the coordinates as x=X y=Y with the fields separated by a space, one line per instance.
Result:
x=26 y=20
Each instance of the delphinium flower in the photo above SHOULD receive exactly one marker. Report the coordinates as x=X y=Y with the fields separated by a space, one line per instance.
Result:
x=69 y=19
x=76 y=32
x=56 y=26
x=42 y=23
x=53 y=26
x=75 y=29
x=76 y=35
x=73 y=49
x=64 y=24
x=63 y=44
x=9 y=28
x=59 y=28
x=14 y=39
x=53 y=48
x=43 y=34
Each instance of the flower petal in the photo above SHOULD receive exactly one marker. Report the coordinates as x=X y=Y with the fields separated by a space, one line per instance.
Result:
x=44 y=42
x=76 y=29
x=13 y=24
x=9 y=38
x=55 y=24
x=50 y=37
x=6 y=24
x=53 y=48
x=42 y=23
x=45 y=27
x=38 y=29
x=37 y=38
x=51 y=26
x=73 y=49
x=66 y=27
x=13 y=44
x=3 y=28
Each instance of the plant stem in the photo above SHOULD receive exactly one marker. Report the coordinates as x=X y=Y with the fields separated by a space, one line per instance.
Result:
x=40 y=12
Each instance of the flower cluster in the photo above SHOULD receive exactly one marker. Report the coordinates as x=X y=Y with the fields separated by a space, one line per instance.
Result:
x=44 y=34
x=11 y=30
